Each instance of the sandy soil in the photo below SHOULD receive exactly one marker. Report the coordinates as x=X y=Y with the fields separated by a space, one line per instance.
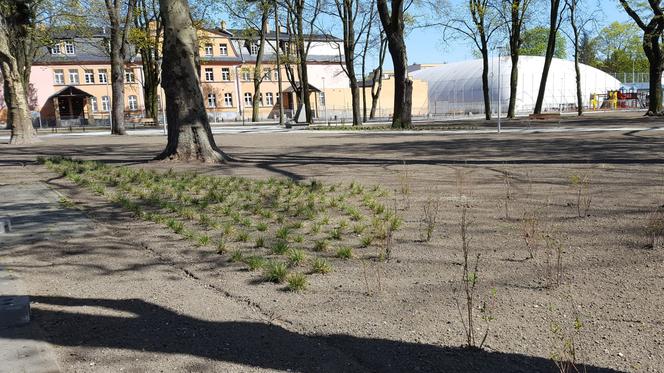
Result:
x=611 y=280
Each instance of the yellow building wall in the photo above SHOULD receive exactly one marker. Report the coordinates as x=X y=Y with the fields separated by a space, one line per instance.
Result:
x=339 y=101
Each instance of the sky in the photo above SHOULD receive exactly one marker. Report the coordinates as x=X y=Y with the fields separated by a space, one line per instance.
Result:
x=424 y=46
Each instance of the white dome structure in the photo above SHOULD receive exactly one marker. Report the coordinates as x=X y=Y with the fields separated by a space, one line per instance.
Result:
x=457 y=87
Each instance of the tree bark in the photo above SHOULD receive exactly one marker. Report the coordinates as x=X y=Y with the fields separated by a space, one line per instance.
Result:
x=554 y=23
x=17 y=49
x=652 y=32
x=377 y=77
x=393 y=24
x=655 y=61
x=517 y=12
x=147 y=19
x=258 y=65
x=485 y=82
x=302 y=54
x=577 y=69
x=346 y=11
x=189 y=134
x=18 y=113
x=119 y=29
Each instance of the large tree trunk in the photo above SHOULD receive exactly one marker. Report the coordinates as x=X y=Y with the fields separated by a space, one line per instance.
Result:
x=258 y=66
x=403 y=86
x=15 y=93
x=377 y=77
x=514 y=81
x=189 y=134
x=550 y=50
x=485 y=81
x=349 y=53
x=655 y=61
x=302 y=55
x=117 y=86
x=119 y=30
x=577 y=69
x=393 y=24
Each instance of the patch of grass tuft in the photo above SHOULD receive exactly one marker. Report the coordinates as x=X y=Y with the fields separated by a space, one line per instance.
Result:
x=345 y=253
x=321 y=266
x=275 y=272
x=297 y=282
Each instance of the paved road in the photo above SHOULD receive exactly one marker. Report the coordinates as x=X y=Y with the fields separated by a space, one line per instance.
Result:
x=539 y=128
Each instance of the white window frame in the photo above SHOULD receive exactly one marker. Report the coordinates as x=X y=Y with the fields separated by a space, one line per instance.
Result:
x=223 y=49
x=69 y=47
x=94 y=105
x=105 y=104
x=89 y=76
x=211 y=100
x=55 y=49
x=228 y=99
x=269 y=99
x=208 y=50
x=248 y=99
x=102 y=74
x=209 y=74
x=225 y=74
x=246 y=75
x=73 y=76
x=267 y=73
x=59 y=76
x=253 y=49
x=132 y=100
x=129 y=76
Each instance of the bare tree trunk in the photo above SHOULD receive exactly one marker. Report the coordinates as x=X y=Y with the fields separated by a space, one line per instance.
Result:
x=577 y=70
x=15 y=93
x=148 y=21
x=117 y=87
x=393 y=24
x=18 y=113
x=189 y=134
x=364 y=73
x=258 y=65
x=554 y=23
x=652 y=32
x=485 y=82
x=655 y=63
x=119 y=31
x=377 y=77
x=517 y=13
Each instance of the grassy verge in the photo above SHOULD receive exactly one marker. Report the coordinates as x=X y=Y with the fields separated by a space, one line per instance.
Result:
x=252 y=221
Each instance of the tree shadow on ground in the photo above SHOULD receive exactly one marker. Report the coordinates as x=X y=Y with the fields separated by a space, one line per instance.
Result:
x=152 y=328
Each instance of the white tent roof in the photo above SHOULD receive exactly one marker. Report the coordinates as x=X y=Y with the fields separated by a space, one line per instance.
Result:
x=458 y=86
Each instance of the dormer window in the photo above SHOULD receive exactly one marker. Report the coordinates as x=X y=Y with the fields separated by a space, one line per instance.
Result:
x=208 y=50
x=69 y=47
x=54 y=49
x=253 y=49
x=223 y=49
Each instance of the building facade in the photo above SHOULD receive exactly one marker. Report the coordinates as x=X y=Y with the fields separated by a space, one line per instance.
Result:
x=227 y=77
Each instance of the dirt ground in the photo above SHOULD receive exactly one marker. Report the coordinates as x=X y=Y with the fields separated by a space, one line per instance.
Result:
x=394 y=316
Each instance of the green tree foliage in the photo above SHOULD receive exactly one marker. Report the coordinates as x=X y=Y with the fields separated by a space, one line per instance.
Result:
x=535 y=39
x=588 y=50
x=617 y=46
